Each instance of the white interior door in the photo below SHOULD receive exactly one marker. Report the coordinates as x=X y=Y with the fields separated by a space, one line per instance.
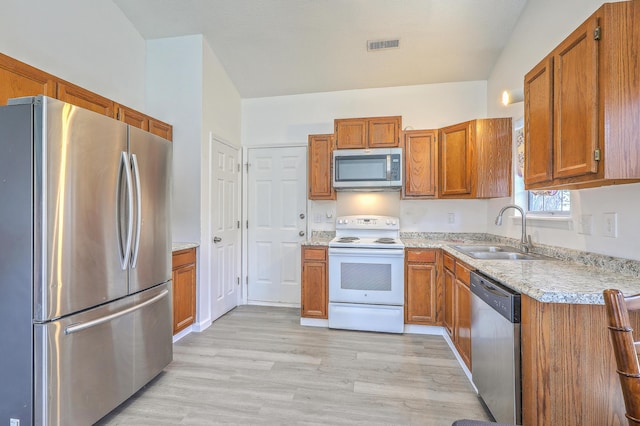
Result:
x=224 y=267
x=277 y=210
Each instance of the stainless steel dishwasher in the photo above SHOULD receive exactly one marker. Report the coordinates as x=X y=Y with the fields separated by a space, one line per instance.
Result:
x=495 y=347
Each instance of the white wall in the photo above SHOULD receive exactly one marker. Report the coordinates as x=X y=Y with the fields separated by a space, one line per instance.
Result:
x=188 y=87
x=91 y=44
x=543 y=25
x=288 y=120
x=174 y=87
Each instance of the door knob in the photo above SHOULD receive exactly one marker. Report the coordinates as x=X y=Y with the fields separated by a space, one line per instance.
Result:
x=301 y=233
x=217 y=239
x=301 y=215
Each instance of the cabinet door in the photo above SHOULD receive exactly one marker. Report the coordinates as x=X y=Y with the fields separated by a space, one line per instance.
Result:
x=18 y=79
x=455 y=160
x=314 y=291
x=383 y=132
x=449 y=299
x=132 y=117
x=420 y=294
x=351 y=133
x=184 y=297
x=463 y=321
x=319 y=168
x=161 y=129
x=576 y=103
x=420 y=154
x=538 y=113
x=76 y=95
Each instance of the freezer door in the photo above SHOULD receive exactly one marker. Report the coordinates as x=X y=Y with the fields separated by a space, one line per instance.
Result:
x=151 y=164
x=77 y=155
x=89 y=363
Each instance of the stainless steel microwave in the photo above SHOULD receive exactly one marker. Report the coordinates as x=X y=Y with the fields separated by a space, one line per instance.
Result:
x=367 y=169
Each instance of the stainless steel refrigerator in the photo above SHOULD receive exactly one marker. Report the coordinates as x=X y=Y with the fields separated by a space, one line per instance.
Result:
x=85 y=262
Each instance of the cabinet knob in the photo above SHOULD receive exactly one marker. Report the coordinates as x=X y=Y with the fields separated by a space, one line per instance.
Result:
x=301 y=233
x=302 y=216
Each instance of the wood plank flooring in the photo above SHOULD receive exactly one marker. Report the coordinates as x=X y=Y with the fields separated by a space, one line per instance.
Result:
x=257 y=365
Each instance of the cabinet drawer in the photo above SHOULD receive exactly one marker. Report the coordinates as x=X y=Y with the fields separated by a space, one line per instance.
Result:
x=463 y=272
x=449 y=262
x=314 y=253
x=183 y=257
x=421 y=256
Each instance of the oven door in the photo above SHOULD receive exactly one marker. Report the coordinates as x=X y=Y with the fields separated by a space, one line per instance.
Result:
x=371 y=276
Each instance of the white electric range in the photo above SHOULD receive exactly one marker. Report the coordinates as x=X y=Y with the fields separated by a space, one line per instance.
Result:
x=366 y=274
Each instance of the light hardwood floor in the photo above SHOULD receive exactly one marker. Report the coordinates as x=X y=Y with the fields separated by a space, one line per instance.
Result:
x=257 y=365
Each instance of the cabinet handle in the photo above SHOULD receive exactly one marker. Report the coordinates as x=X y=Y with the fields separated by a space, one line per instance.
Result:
x=217 y=239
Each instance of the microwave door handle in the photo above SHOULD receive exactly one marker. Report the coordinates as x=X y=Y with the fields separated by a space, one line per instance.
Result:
x=388 y=167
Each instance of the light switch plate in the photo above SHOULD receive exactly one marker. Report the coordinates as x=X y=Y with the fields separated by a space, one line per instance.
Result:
x=585 y=224
x=610 y=225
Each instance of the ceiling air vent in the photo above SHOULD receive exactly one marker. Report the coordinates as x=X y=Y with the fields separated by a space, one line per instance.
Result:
x=382 y=44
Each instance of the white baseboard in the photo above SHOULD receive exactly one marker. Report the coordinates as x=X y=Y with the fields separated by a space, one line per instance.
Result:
x=314 y=322
x=459 y=358
x=424 y=329
x=277 y=304
x=182 y=333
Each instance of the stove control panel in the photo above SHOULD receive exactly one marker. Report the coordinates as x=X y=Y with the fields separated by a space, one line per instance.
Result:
x=367 y=222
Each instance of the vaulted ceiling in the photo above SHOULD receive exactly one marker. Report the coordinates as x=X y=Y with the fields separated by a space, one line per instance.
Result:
x=283 y=47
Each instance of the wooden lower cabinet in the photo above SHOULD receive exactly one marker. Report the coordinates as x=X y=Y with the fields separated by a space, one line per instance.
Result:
x=568 y=366
x=315 y=291
x=457 y=305
x=184 y=289
x=421 y=290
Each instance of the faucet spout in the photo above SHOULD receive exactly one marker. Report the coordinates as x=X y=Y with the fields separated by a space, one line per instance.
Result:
x=525 y=241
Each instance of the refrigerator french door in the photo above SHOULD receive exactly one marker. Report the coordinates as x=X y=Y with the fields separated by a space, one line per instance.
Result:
x=86 y=306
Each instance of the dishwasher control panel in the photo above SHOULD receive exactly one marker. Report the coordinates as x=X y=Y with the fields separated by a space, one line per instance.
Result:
x=502 y=299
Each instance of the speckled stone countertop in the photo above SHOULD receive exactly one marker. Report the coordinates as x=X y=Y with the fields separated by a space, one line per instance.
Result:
x=183 y=246
x=571 y=277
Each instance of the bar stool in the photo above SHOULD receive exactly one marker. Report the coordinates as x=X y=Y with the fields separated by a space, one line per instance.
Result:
x=625 y=349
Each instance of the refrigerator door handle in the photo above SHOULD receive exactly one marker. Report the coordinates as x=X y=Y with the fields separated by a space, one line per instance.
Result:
x=136 y=247
x=75 y=328
x=126 y=255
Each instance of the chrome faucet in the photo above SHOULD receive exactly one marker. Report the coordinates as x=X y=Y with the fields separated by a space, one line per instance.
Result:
x=525 y=243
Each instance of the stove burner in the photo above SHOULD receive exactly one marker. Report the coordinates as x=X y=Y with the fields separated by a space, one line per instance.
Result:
x=385 y=240
x=348 y=239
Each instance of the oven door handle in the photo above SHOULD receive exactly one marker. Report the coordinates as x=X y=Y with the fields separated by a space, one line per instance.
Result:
x=374 y=252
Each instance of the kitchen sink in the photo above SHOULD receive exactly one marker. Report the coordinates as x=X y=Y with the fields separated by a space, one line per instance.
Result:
x=488 y=252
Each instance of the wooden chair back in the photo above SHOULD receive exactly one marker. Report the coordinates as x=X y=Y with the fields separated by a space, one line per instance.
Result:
x=625 y=349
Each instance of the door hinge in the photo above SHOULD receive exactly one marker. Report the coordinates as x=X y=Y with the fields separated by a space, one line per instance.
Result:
x=247 y=224
x=597 y=33
x=238 y=167
x=247 y=165
x=596 y=155
x=247 y=280
x=238 y=224
x=238 y=280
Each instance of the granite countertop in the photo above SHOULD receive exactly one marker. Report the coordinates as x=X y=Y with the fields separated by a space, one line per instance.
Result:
x=183 y=246
x=570 y=277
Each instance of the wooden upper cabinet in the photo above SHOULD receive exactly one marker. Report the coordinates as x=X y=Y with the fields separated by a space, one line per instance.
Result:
x=456 y=145
x=132 y=117
x=373 y=132
x=588 y=91
x=575 y=103
x=161 y=129
x=18 y=79
x=76 y=95
x=351 y=133
x=420 y=164
x=384 y=132
x=538 y=155
x=475 y=159
x=319 y=157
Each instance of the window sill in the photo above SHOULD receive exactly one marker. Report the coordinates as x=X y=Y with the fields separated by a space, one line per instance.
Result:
x=541 y=221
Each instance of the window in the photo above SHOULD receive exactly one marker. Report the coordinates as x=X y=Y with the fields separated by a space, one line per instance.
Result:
x=550 y=202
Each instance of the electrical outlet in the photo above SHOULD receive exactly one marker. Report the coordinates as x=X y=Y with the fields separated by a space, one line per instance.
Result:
x=14 y=422
x=586 y=224
x=451 y=218
x=610 y=225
